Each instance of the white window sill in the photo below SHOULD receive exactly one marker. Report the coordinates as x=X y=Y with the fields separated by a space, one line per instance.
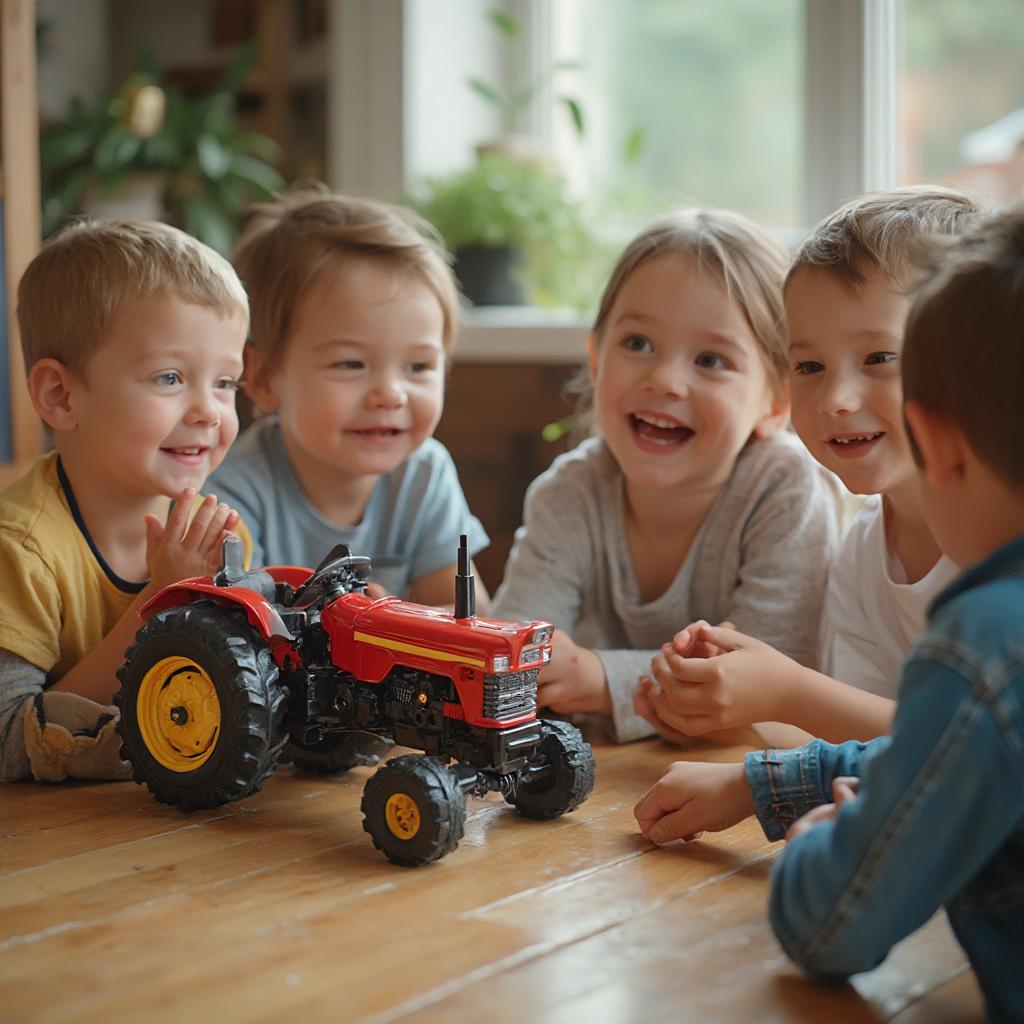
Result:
x=521 y=334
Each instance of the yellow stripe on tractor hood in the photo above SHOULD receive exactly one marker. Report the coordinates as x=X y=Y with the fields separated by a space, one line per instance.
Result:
x=423 y=652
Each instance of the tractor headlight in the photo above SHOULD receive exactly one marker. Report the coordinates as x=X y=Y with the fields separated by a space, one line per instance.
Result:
x=542 y=635
x=531 y=656
x=500 y=663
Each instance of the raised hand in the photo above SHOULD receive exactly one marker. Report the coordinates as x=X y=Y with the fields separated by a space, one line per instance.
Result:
x=179 y=549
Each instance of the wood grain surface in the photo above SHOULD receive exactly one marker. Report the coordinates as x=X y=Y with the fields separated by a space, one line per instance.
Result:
x=278 y=908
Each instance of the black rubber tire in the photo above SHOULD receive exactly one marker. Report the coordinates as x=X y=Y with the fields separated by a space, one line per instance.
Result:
x=336 y=753
x=568 y=785
x=439 y=799
x=252 y=705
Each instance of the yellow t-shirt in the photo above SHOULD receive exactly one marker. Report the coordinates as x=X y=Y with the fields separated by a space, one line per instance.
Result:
x=58 y=599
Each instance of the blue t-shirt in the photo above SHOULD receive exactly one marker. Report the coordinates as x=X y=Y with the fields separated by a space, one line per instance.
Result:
x=410 y=526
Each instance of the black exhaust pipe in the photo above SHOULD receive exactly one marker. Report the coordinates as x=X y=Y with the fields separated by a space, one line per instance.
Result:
x=465 y=585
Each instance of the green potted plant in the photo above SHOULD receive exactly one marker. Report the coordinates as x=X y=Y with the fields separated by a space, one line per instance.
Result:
x=515 y=232
x=203 y=167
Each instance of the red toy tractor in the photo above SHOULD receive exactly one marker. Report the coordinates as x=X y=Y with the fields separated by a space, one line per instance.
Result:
x=233 y=672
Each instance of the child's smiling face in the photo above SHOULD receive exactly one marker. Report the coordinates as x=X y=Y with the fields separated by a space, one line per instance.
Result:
x=360 y=384
x=155 y=410
x=680 y=383
x=845 y=345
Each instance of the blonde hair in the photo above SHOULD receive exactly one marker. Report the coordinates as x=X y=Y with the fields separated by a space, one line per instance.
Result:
x=963 y=348
x=881 y=232
x=292 y=239
x=748 y=261
x=89 y=272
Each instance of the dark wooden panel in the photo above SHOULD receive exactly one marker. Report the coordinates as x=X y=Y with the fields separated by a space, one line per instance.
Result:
x=492 y=423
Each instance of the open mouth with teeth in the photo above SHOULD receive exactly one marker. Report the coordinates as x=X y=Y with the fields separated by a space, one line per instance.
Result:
x=659 y=430
x=855 y=444
x=378 y=433
x=185 y=453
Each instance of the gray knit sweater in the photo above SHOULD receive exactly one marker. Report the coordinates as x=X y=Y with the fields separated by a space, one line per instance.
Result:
x=760 y=559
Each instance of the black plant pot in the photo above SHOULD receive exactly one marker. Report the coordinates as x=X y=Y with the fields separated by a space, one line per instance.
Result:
x=489 y=276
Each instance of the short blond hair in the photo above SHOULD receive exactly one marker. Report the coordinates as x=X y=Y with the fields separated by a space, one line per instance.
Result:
x=882 y=232
x=291 y=240
x=89 y=272
x=749 y=263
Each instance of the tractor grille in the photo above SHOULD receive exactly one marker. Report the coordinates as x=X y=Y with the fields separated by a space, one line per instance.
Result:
x=510 y=695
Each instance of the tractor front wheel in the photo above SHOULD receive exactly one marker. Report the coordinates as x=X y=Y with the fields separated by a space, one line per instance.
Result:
x=559 y=776
x=201 y=711
x=414 y=810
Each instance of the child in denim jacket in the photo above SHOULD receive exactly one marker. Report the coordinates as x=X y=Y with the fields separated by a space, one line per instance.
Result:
x=933 y=815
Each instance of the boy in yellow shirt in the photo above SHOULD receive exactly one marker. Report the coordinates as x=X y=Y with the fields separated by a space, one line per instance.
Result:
x=133 y=335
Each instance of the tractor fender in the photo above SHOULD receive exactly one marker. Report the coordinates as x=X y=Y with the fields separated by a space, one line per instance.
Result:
x=262 y=615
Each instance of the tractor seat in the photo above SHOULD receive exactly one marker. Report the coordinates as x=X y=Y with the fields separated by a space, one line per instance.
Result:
x=232 y=571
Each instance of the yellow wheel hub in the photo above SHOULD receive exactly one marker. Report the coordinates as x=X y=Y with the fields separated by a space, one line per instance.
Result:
x=402 y=815
x=178 y=714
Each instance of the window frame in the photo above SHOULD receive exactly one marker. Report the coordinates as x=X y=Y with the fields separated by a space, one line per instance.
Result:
x=379 y=82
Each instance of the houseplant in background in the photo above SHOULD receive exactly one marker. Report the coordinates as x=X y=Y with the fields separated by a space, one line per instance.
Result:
x=515 y=232
x=201 y=167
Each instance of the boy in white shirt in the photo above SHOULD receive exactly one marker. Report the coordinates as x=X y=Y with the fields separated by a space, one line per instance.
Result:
x=845 y=312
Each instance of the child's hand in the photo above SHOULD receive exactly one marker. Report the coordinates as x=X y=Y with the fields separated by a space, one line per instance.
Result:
x=178 y=550
x=747 y=683
x=645 y=709
x=573 y=680
x=692 y=798
x=692 y=642
x=843 y=788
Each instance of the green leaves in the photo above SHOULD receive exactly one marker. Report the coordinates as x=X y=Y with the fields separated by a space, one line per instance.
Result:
x=634 y=145
x=525 y=205
x=504 y=22
x=211 y=169
x=576 y=113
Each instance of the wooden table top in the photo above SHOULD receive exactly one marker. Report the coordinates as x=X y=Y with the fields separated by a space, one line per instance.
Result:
x=116 y=908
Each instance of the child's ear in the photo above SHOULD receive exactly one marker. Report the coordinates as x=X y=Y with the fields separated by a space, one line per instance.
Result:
x=939 y=441
x=777 y=416
x=592 y=356
x=49 y=386
x=258 y=380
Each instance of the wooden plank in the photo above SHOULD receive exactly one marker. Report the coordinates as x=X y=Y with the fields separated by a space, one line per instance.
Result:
x=279 y=906
x=19 y=153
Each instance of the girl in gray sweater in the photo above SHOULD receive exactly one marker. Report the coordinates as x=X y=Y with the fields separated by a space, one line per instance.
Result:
x=693 y=501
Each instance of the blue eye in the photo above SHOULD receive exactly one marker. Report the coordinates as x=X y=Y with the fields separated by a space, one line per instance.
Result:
x=227 y=384
x=347 y=364
x=169 y=379
x=807 y=367
x=637 y=343
x=420 y=367
x=712 y=361
x=880 y=358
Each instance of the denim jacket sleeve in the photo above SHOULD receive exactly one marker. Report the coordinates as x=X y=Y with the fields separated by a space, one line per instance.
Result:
x=786 y=784
x=936 y=801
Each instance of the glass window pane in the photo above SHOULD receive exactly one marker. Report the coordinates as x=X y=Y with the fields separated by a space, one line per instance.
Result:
x=714 y=86
x=963 y=95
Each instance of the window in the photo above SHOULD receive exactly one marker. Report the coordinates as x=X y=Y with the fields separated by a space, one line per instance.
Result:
x=713 y=87
x=962 y=95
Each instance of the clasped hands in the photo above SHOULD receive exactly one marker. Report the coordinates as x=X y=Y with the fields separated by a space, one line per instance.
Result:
x=710 y=678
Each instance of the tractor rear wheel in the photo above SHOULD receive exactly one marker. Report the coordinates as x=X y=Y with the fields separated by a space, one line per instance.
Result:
x=201 y=711
x=414 y=810
x=562 y=771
